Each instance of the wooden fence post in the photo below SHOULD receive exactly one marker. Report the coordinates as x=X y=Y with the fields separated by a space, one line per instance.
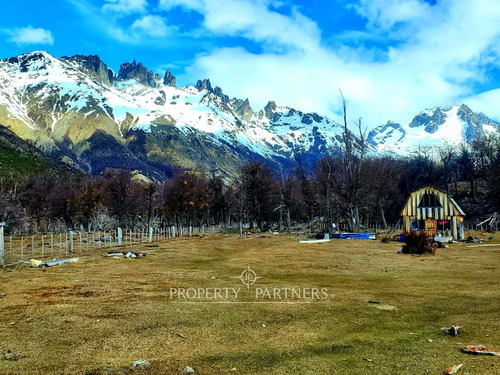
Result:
x=71 y=241
x=120 y=236
x=2 y=249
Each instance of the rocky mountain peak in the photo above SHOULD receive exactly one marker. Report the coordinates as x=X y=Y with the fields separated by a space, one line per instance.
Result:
x=36 y=60
x=139 y=73
x=207 y=85
x=243 y=109
x=169 y=79
x=474 y=128
x=464 y=110
x=466 y=114
x=218 y=91
x=204 y=85
x=95 y=65
x=270 y=109
x=430 y=119
x=389 y=132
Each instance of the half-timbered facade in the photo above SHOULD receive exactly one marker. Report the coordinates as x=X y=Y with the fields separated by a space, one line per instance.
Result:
x=432 y=210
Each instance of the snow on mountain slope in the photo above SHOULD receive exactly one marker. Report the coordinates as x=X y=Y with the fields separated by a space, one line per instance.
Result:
x=80 y=107
x=40 y=91
x=433 y=126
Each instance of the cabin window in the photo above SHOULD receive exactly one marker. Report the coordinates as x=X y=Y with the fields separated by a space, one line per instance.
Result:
x=444 y=224
x=429 y=200
x=418 y=224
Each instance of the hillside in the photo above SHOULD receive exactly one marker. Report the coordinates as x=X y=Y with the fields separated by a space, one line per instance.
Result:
x=19 y=159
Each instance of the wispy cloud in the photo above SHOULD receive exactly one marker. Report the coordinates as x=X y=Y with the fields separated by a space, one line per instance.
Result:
x=125 y=7
x=252 y=19
x=125 y=21
x=29 y=35
x=150 y=25
x=400 y=17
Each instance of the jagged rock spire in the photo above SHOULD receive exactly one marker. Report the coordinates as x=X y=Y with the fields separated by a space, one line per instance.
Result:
x=169 y=79
x=270 y=109
x=204 y=84
x=207 y=85
x=138 y=72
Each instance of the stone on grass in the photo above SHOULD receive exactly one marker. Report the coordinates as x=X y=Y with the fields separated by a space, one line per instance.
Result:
x=453 y=369
x=453 y=330
x=141 y=363
x=9 y=356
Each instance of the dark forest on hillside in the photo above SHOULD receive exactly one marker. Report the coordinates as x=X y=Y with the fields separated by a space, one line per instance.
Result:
x=348 y=187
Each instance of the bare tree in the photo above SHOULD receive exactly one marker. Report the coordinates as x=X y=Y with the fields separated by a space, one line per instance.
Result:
x=447 y=155
x=345 y=171
x=286 y=201
x=467 y=161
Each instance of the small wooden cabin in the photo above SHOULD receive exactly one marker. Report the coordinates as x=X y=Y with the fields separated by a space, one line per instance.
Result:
x=432 y=210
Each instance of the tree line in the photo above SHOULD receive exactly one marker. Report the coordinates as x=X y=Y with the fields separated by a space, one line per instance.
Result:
x=346 y=187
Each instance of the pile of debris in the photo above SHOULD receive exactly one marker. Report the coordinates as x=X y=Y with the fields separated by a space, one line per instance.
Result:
x=492 y=223
x=474 y=239
x=35 y=263
x=118 y=255
x=471 y=349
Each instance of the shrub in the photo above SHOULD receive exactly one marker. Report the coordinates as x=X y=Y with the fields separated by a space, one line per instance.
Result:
x=417 y=243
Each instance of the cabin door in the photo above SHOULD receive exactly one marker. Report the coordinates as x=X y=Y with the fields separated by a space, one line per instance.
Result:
x=430 y=227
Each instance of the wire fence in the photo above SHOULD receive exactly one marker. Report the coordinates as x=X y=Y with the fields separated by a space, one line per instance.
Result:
x=74 y=243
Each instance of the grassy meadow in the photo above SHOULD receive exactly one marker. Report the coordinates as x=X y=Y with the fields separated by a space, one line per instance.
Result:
x=100 y=315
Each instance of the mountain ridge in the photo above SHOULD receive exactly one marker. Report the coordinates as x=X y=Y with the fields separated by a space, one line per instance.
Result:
x=78 y=107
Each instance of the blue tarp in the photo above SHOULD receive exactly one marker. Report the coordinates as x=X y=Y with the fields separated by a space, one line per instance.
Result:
x=357 y=236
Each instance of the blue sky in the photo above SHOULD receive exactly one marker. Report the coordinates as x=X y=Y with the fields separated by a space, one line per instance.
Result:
x=390 y=58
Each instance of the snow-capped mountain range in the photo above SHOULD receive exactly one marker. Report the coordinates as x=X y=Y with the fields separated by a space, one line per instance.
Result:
x=78 y=110
x=434 y=126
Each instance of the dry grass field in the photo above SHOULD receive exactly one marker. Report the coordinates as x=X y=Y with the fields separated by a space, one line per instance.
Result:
x=100 y=315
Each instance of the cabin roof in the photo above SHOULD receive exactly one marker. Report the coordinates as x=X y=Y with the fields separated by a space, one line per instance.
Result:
x=456 y=205
x=441 y=191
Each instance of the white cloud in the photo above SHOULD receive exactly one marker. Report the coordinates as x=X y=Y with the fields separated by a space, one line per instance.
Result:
x=253 y=20
x=386 y=15
x=125 y=6
x=442 y=50
x=486 y=102
x=150 y=25
x=29 y=35
x=148 y=30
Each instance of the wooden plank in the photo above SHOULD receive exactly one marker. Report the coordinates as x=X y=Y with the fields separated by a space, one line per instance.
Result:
x=488 y=245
